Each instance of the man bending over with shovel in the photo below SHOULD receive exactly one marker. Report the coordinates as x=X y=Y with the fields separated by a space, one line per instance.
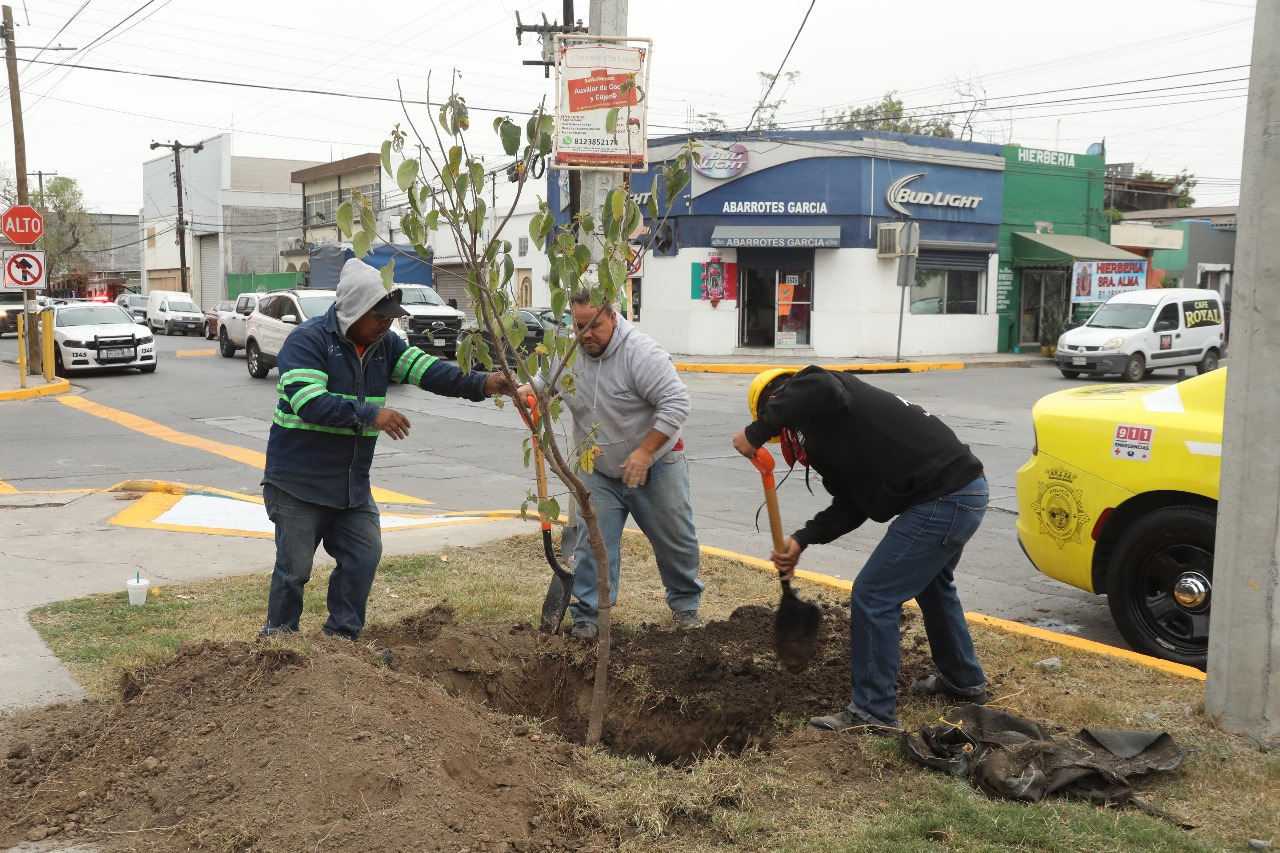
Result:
x=880 y=457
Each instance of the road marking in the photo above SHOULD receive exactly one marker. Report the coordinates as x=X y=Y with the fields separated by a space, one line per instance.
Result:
x=195 y=353
x=6 y=489
x=252 y=458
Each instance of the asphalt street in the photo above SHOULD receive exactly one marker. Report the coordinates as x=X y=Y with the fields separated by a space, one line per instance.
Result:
x=202 y=420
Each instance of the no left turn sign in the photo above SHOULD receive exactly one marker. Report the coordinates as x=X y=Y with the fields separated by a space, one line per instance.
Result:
x=24 y=269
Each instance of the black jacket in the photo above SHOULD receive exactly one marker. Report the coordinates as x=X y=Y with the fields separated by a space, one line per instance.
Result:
x=878 y=454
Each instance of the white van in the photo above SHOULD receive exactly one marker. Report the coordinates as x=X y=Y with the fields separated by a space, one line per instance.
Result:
x=1134 y=333
x=170 y=311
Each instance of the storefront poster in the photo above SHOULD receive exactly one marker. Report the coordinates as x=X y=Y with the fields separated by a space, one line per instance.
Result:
x=714 y=280
x=598 y=83
x=786 y=294
x=1098 y=281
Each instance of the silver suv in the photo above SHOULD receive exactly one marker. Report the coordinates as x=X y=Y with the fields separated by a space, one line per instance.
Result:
x=278 y=314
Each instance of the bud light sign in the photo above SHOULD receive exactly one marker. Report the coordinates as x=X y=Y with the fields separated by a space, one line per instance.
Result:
x=721 y=163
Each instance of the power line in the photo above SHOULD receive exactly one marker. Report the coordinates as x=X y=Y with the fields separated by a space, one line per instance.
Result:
x=765 y=97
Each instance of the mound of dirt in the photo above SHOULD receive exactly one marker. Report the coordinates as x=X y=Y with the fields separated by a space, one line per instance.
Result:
x=467 y=739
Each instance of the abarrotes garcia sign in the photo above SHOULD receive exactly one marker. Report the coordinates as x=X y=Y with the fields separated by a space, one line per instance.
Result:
x=899 y=194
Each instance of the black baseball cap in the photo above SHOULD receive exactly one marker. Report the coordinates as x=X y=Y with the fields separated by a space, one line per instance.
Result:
x=389 y=306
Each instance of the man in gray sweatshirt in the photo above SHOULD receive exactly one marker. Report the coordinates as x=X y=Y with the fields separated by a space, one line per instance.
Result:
x=627 y=390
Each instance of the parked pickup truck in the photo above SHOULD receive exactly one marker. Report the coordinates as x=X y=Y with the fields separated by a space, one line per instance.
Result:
x=231 y=324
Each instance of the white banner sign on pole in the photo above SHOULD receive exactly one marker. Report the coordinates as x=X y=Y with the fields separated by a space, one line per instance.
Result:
x=601 y=105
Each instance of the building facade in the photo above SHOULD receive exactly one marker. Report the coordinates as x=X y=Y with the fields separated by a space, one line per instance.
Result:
x=787 y=242
x=240 y=213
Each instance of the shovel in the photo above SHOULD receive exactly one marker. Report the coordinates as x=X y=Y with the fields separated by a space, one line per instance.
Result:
x=558 y=593
x=796 y=628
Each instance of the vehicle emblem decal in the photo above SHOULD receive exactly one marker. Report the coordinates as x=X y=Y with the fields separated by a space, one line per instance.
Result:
x=1061 y=512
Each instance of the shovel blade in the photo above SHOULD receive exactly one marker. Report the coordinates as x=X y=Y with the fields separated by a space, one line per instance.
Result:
x=556 y=604
x=796 y=630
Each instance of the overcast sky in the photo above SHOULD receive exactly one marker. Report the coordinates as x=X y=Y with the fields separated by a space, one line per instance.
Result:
x=1164 y=81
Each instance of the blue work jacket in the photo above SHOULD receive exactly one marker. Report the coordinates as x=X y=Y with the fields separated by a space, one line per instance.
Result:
x=322 y=434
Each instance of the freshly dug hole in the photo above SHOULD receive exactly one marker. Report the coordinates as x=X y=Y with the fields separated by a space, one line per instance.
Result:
x=673 y=695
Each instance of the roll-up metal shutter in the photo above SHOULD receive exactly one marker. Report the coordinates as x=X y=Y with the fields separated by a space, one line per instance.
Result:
x=950 y=259
x=450 y=282
x=211 y=290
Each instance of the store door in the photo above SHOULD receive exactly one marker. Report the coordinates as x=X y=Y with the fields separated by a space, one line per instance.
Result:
x=794 y=302
x=775 y=297
x=1042 y=290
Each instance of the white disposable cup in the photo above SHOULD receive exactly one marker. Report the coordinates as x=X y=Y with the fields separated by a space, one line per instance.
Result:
x=137 y=591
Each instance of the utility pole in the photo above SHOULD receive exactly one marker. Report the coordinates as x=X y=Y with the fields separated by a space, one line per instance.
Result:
x=606 y=18
x=1243 y=689
x=34 y=352
x=177 y=147
x=40 y=177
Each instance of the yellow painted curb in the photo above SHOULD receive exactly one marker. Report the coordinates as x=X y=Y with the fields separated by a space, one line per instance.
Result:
x=890 y=367
x=57 y=386
x=195 y=353
x=1005 y=625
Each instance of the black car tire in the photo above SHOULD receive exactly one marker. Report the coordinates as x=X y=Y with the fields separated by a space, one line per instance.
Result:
x=1157 y=552
x=1207 y=364
x=147 y=368
x=1070 y=374
x=1135 y=368
x=225 y=347
x=158 y=330
x=253 y=360
x=59 y=369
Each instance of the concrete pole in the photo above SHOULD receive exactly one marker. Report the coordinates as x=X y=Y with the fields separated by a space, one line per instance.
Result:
x=608 y=18
x=1243 y=691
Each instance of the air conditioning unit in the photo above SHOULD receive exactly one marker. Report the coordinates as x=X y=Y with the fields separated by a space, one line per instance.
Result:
x=889 y=239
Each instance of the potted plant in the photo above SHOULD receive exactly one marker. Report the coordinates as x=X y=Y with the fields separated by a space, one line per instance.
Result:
x=1052 y=325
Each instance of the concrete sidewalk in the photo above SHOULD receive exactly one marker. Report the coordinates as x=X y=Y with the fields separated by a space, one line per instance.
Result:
x=754 y=362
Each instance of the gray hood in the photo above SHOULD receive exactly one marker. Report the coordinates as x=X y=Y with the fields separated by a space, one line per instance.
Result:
x=360 y=288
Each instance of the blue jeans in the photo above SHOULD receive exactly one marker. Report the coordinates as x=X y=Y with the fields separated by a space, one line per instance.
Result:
x=663 y=512
x=916 y=559
x=353 y=537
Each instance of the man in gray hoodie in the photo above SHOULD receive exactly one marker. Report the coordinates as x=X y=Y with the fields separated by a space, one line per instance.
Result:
x=627 y=390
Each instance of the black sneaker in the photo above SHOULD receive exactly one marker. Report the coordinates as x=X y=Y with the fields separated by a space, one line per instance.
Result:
x=687 y=620
x=585 y=631
x=848 y=721
x=938 y=685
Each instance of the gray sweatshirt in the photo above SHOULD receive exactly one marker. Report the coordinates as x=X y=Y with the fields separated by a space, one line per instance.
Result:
x=631 y=388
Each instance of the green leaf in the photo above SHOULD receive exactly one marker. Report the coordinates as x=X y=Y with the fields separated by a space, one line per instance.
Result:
x=464 y=179
x=531 y=129
x=582 y=255
x=477 y=175
x=389 y=275
x=653 y=201
x=531 y=366
x=675 y=184
x=455 y=159
x=345 y=216
x=508 y=269
x=510 y=135
x=588 y=222
x=360 y=244
x=617 y=203
x=432 y=220
x=386 y=157
x=367 y=222
x=407 y=174
x=550 y=508
x=617 y=273
x=606 y=279
x=558 y=300
x=464 y=353
x=611 y=120
x=516 y=332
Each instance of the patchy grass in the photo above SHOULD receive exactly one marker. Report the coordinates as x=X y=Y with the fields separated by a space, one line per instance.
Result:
x=754 y=801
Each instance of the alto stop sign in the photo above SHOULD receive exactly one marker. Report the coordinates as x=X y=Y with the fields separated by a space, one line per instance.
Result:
x=22 y=224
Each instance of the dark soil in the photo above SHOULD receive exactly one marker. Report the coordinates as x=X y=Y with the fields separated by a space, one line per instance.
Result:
x=468 y=739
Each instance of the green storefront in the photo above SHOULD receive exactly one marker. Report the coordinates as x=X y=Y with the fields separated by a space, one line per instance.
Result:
x=1047 y=195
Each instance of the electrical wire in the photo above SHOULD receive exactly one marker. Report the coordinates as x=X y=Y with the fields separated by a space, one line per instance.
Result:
x=765 y=97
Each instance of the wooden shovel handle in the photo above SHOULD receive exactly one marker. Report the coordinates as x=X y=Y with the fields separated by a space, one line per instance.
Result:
x=775 y=519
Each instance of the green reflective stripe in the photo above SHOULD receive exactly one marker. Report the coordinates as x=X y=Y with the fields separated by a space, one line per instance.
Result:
x=420 y=367
x=311 y=377
x=294 y=422
x=375 y=400
x=306 y=395
x=403 y=363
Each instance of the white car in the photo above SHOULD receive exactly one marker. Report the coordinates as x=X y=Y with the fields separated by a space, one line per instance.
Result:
x=278 y=314
x=92 y=335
